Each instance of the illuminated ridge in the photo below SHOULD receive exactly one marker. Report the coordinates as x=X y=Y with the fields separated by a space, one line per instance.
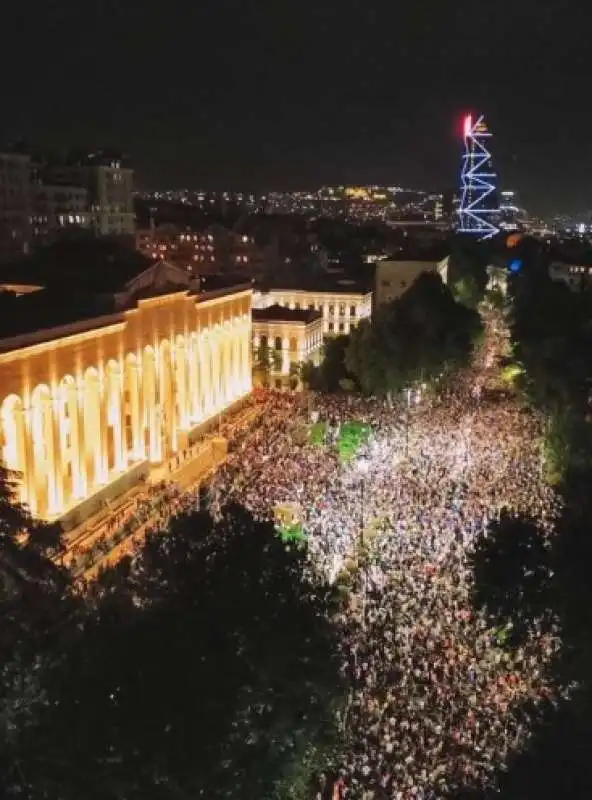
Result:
x=478 y=199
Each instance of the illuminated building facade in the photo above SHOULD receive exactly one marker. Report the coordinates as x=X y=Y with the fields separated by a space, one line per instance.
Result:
x=84 y=406
x=342 y=307
x=15 y=203
x=478 y=205
x=208 y=252
x=291 y=338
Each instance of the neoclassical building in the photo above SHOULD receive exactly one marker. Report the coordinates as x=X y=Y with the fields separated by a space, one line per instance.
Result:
x=290 y=338
x=86 y=403
x=342 y=304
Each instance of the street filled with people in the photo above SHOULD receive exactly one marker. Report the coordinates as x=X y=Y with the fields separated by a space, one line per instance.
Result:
x=436 y=697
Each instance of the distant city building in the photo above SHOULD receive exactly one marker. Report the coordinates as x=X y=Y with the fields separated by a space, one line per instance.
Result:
x=191 y=251
x=55 y=208
x=394 y=277
x=15 y=203
x=214 y=250
x=575 y=275
x=108 y=180
x=511 y=216
x=42 y=197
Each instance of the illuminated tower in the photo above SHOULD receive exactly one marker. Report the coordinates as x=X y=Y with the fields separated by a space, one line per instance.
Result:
x=478 y=205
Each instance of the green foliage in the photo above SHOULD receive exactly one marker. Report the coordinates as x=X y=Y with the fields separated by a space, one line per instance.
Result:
x=414 y=339
x=467 y=269
x=551 y=332
x=318 y=433
x=512 y=567
x=267 y=359
x=292 y=533
x=530 y=579
x=567 y=445
x=208 y=667
x=309 y=375
x=351 y=438
x=332 y=375
x=333 y=369
x=466 y=291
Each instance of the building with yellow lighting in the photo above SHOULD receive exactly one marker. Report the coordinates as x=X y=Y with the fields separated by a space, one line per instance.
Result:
x=290 y=338
x=109 y=371
x=342 y=303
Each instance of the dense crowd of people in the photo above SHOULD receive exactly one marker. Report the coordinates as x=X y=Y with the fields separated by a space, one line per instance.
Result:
x=436 y=697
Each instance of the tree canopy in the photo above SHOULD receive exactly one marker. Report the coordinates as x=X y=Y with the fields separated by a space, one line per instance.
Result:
x=414 y=339
x=332 y=375
x=205 y=667
x=551 y=335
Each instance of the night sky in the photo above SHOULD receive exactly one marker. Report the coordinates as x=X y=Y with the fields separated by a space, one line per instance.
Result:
x=280 y=94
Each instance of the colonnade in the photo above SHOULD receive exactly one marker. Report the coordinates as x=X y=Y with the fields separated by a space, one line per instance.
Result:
x=71 y=438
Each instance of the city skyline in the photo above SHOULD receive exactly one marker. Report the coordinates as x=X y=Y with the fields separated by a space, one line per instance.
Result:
x=307 y=95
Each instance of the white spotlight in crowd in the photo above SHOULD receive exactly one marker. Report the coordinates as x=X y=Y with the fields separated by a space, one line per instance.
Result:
x=363 y=465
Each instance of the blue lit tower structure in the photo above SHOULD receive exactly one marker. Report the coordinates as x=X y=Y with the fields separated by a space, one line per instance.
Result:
x=478 y=205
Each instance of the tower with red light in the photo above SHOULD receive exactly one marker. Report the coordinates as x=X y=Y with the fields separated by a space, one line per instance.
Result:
x=478 y=210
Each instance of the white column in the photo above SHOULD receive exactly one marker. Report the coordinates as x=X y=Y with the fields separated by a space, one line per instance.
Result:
x=193 y=355
x=54 y=459
x=79 y=477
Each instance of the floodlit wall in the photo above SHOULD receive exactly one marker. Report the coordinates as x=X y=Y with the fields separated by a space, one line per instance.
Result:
x=84 y=404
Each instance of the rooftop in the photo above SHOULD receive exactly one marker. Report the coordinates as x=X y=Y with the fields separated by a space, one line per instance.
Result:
x=86 y=286
x=318 y=283
x=277 y=313
x=47 y=309
x=81 y=264
x=220 y=281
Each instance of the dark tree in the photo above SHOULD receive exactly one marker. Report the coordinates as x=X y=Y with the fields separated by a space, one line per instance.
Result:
x=414 y=339
x=332 y=375
x=513 y=571
x=206 y=668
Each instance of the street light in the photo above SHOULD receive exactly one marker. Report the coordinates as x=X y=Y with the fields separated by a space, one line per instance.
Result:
x=363 y=467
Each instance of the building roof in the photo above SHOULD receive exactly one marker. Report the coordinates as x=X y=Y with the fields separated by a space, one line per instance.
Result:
x=47 y=309
x=320 y=283
x=277 y=313
x=415 y=252
x=68 y=302
x=81 y=264
x=219 y=281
